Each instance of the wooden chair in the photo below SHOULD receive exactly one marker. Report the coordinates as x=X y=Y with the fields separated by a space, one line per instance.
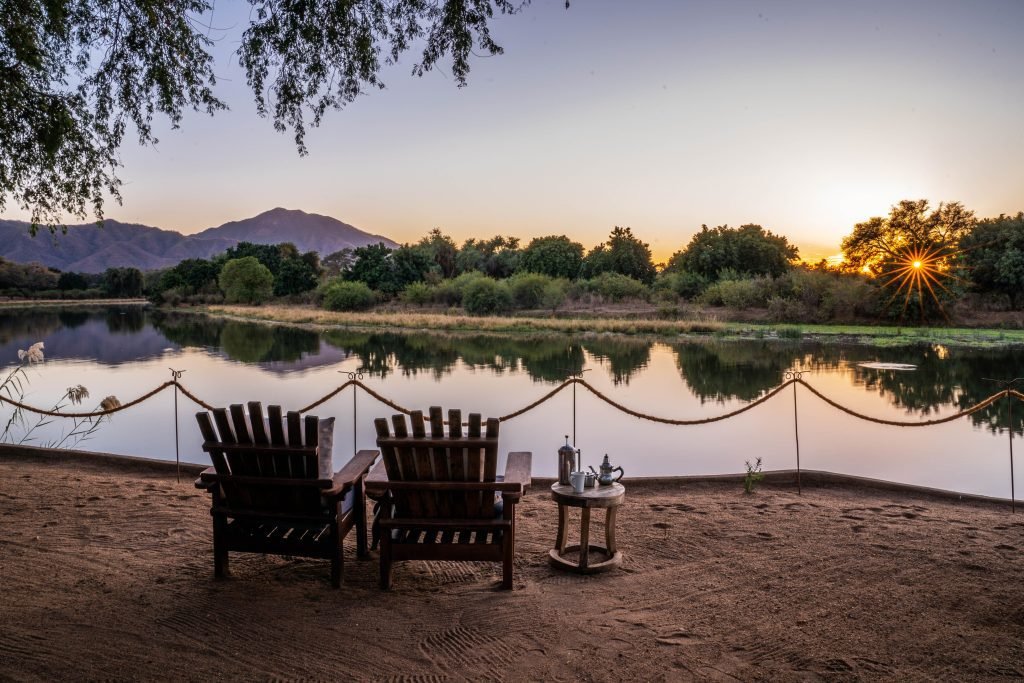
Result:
x=443 y=493
x=268 y=493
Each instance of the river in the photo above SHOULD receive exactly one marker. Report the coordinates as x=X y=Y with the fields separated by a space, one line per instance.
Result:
x=126 y=351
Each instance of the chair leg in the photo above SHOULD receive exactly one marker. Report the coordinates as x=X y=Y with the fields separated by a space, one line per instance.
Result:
x=220 y=550
x=510 y=553
x=360 y=505
x=338 y=559
x=385 y=563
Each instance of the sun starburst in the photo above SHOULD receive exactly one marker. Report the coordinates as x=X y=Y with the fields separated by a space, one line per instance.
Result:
x=920 y=272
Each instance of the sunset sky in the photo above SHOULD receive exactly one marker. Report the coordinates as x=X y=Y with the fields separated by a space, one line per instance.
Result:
x=805 y=117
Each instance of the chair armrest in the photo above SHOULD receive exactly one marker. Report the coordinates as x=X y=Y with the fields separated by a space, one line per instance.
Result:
x=355 y=468
x=205 y=482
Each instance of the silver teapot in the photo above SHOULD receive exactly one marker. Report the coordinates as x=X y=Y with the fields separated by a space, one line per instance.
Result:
x=605 y=478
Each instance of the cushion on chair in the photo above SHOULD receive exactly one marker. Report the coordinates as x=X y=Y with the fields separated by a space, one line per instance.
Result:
x=325 y=441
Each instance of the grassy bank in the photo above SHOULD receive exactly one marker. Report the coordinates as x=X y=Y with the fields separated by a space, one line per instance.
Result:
x=859 y=334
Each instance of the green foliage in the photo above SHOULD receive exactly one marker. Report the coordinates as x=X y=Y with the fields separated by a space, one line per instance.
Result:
x=293 y=272
x=616 y=287
x=623 y=254
x=25 y=278
x=993 y=254
x=191 y=276
x=122 y=282
x=528 y=289
x=497 y=257
x=486 y=296
x=440 y=250
x=78 y=73
x=753 y=476
x=554 y=256
x=748 y=249
x=888 y=246
x=347 y=296
x=418 y=294
x=372 y=266
x=70 y=280
x=739 y=294
x=410 y=264
x=246 y=280
x=338 y=262
x=682 y=283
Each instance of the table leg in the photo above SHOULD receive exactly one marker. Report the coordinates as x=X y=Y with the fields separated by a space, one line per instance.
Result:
x=609 y=530
x=563 y=525
x=585 y=538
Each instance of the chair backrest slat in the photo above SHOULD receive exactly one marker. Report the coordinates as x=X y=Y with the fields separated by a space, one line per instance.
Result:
x=440 y=456
x=240 y=448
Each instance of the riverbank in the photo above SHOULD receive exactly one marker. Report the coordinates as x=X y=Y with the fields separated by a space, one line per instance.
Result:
x=108 y=575
x=700 y=326
x=32 y=303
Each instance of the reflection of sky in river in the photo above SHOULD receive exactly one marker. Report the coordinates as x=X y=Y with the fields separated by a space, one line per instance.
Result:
x=675 y=381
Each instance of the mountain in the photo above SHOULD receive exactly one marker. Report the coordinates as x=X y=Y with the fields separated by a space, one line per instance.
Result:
x=90 y=249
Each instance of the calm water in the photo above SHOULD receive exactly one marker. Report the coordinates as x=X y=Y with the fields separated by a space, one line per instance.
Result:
x=128 y=351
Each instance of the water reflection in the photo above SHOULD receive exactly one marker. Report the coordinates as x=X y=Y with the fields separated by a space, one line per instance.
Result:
x=714 y=371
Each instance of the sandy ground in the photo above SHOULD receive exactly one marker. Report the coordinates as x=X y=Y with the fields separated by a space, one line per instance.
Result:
x=107 y=574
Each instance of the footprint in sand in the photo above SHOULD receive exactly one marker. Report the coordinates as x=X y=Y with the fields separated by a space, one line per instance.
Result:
x=679 y=638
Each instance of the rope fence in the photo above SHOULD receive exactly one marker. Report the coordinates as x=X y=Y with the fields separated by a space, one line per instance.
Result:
x=793 y=378
x=981 y=405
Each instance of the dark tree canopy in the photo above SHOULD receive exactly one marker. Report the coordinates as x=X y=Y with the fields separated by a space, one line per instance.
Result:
x=913 y=254
x=910 y=229
x=623 y=254
x=75 y=73
x=993 y=254
x=747 y=249
x=555 y=255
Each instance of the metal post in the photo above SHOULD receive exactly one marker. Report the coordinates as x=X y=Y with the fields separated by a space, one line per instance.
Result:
x=1007 y=384
x=176 y=375
x=575 y=376
x=1009 y=425
x=353 y=376
x=793 y=375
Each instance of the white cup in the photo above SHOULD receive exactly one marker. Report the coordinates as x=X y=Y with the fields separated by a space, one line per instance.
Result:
x=578 y=480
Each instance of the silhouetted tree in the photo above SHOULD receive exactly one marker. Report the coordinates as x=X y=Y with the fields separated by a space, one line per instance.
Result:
x=993 y=254
x=77 y=73
x=623 y=254
x=747 y=249
x=554 y=255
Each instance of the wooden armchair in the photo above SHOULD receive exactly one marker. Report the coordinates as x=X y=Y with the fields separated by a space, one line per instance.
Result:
x=443 y=499
x=269 y=494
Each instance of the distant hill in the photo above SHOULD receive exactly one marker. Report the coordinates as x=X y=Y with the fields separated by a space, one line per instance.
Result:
x=89 y=249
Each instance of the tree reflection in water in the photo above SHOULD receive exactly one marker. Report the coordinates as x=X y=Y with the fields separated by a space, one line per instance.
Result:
x=714 y=370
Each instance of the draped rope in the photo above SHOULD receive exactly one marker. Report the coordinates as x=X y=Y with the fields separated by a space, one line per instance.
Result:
x=702 y=421
x=981 y=405
x=95 y=413
x=949 y=418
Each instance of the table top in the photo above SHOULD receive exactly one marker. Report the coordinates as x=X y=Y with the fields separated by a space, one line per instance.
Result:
x=597 y=497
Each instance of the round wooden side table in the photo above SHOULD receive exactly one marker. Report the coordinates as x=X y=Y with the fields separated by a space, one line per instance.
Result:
x=607 y=497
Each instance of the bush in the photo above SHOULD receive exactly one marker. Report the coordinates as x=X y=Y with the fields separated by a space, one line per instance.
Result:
x=527 y=289
x=616 y=287
x=740 y=294
x=246 y=280
x=682 y=283
x=348 y=296
x=486 y=296
x=418 y=293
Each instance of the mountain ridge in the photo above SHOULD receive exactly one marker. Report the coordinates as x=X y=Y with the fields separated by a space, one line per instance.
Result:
x=88 y=248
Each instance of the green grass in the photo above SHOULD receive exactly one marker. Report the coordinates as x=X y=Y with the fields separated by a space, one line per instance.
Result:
x=879 y=335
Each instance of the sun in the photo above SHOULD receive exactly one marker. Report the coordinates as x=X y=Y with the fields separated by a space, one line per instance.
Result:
x=920 y=271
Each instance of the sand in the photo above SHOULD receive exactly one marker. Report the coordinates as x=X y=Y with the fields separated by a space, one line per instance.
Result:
x=107 y=574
